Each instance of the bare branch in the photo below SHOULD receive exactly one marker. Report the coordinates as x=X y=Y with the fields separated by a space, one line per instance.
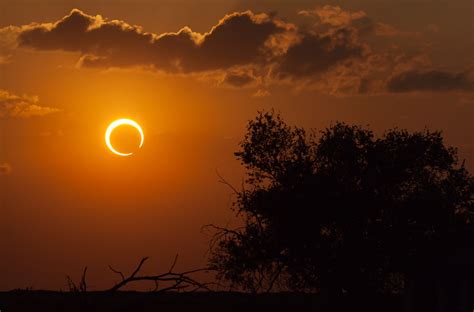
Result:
x=118 y=272
x=225 y=230
x=156 y=286
x=179 y=280
x=224 y=181
x=71 y=285
x=174 y=263
x=139 y=266
x=82 y=287
x=83 y=284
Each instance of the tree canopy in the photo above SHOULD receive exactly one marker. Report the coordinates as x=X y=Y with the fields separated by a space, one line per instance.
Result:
x=342 y=208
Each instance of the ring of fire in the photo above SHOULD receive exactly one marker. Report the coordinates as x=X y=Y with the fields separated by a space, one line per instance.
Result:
x=121 y=122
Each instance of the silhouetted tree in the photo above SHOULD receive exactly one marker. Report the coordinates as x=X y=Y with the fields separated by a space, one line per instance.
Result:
x=342 y=210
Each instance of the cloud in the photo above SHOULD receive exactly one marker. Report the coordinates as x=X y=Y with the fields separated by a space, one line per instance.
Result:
x=315 y=54
x=8 y=42
x=237 y=39
x=335 y=16
x=260 y=93
x=341 y=52
x=367 y=65
x=5 y=168
x=333 y=40
x=21 y=106
x=430 y=80
x=238 y=80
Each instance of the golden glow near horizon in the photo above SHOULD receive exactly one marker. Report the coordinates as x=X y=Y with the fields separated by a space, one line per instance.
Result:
x=121 y=122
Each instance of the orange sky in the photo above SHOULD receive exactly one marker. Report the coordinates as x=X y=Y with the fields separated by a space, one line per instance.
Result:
x=67 y=202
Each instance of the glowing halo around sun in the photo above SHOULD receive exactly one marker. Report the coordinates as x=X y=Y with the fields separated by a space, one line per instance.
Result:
x=122 y=122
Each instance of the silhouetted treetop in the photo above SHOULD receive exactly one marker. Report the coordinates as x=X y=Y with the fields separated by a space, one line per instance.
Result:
x=342 y=208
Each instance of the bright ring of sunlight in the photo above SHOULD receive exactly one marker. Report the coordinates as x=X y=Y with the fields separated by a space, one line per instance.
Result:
x=121 y=122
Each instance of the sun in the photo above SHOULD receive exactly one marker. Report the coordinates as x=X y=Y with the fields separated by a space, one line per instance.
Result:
x=122 y=122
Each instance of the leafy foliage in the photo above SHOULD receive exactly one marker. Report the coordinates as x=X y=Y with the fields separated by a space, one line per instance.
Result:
x=342 y=209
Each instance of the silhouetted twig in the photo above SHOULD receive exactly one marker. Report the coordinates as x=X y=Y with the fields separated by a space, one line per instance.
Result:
x=224 y=181
x=179 y=280
x=118 y=272
x=82 y=287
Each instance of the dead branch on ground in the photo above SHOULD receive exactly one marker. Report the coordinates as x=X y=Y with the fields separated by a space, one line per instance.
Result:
x=176 y=281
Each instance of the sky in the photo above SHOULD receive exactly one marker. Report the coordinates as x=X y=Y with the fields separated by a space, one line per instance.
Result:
x=192 y=73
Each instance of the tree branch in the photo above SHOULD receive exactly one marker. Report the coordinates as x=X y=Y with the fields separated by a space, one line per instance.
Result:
x=180 y=280
x=118 y=272
x=224 y=181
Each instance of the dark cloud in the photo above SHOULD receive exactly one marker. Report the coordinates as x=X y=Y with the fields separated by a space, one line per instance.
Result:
x=341 y=52
x=237 y=39
x=238 y=80
x=315 y=54
x=431 y=80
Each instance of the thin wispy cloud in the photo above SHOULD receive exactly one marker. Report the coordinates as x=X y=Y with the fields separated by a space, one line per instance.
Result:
x=22 y=106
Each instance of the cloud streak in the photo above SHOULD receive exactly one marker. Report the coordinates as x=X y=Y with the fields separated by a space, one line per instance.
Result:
x=22 y=106
x=431 y=80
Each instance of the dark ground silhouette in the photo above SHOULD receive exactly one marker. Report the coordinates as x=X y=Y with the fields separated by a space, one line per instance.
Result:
x=215 y=301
